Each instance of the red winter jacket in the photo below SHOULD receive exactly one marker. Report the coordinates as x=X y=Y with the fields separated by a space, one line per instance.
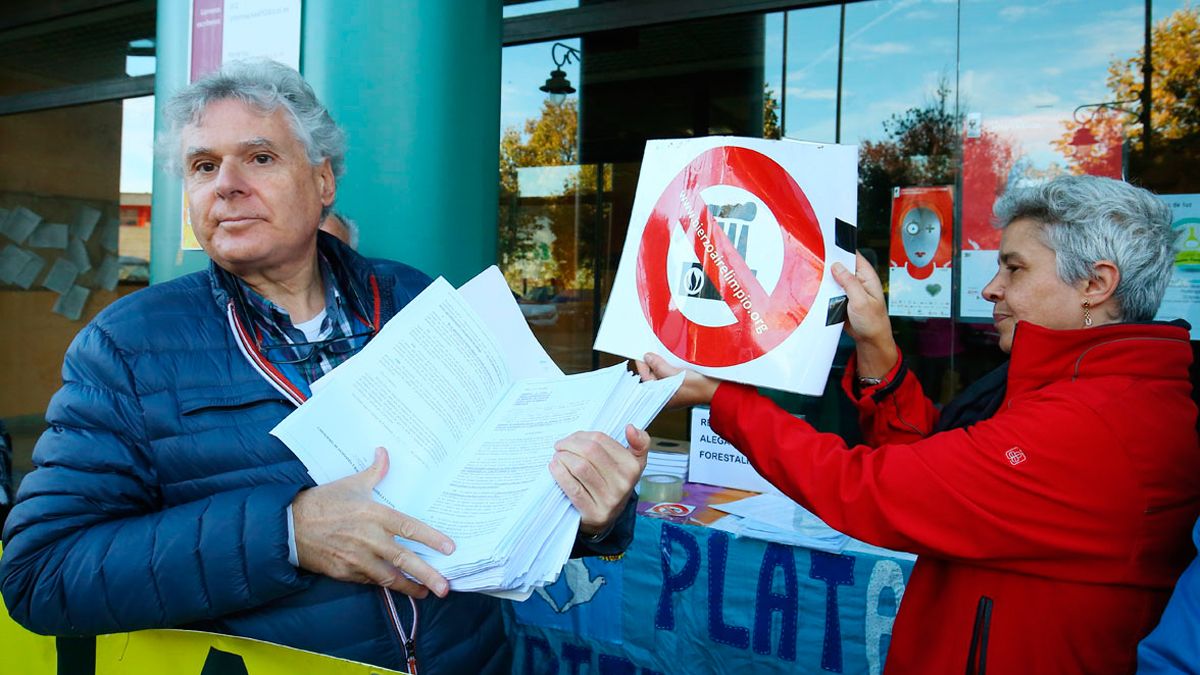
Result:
x=1049 y=535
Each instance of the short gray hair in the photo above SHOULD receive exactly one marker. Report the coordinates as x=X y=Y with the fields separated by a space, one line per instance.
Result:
x=266 y=86
x=350 y=225
x=1085 y=219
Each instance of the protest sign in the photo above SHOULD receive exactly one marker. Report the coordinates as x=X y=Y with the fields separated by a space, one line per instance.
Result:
x=726 y=264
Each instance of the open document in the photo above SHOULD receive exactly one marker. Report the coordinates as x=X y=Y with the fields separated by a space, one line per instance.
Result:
x=469 y=410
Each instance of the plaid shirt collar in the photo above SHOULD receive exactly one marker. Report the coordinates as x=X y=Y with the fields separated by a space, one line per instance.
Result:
x=341 y=334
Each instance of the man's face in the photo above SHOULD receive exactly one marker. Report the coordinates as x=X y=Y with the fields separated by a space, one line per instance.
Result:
x=254 y=199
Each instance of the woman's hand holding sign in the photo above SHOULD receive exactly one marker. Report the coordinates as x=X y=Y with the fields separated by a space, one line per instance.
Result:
x=868 y=321
x=696 y=389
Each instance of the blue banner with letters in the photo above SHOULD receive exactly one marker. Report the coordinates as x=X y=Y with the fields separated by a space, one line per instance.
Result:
x=689 y=599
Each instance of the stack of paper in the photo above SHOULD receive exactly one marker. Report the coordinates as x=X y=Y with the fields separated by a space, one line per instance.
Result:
x=666 y=464
x=773 y=517
x=469 y=407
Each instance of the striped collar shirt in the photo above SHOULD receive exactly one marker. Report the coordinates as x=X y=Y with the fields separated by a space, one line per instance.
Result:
x=341 y=335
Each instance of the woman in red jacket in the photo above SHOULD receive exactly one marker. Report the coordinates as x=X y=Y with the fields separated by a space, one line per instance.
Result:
x=1050 y=503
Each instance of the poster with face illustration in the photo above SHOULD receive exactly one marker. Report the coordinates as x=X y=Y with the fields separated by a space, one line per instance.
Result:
x=921 y=251
x=1182 y=299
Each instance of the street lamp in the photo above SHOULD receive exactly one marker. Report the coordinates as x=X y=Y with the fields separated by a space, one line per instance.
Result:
x=557 y=85
x=1084 y=139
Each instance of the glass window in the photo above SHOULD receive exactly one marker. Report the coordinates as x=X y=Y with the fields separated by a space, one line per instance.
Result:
x=74 y=196
x=809 y=40
x=951 y=101
x=898 y=105
x=523 y=7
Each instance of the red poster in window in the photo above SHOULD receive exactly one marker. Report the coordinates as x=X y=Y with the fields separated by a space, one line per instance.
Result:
x=922 y=249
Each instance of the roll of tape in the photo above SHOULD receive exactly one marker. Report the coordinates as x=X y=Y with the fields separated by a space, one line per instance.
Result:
x=657 y=488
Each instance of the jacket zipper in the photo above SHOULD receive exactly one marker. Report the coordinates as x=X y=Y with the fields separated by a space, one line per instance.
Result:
x=410 y=640
x=293 y=394
x=977 y=656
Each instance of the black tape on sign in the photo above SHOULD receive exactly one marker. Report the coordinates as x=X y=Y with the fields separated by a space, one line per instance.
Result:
x=837 y=310
x=845 y=235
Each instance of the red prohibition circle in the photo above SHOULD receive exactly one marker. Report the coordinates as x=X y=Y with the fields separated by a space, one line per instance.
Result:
x=762 y=320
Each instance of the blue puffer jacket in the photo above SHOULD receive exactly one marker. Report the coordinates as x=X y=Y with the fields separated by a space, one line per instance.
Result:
x=159 y=498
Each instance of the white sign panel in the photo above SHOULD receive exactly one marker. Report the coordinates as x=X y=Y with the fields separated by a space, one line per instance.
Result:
x=1182 y=299
x=713 y=461
x=726 y=267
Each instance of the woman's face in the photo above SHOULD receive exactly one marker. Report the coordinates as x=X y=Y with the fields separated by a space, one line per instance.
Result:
x=1027 y=287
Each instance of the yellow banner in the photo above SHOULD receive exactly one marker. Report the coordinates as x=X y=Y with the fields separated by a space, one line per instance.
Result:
x=152 y=652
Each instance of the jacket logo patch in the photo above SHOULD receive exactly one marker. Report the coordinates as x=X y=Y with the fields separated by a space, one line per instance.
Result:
x=1015 y=455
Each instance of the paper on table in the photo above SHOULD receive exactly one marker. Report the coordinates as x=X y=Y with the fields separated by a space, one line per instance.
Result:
x=62 y=276
x=70 y=304
x=85 y=222
x=48 y=235
x=773 y=514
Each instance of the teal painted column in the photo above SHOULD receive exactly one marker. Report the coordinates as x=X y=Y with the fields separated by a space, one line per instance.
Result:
x=416 y=86
x=167 y=260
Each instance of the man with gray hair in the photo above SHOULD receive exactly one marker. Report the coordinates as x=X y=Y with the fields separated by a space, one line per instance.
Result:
x=343 y=228
x=159 y=497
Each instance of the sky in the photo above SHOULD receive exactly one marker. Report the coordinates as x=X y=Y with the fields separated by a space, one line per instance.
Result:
x=1024 y=65
x=1024 y=68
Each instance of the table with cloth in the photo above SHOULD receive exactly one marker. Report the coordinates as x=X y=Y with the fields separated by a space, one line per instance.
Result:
x=689 y=598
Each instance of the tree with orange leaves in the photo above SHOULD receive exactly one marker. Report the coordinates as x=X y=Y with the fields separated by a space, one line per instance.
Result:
x=1175 y=107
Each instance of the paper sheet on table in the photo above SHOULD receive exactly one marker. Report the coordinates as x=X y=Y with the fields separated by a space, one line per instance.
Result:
x=775 y=515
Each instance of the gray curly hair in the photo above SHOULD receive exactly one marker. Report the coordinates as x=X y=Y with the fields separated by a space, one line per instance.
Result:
x=1085 y=219
x=266 y=86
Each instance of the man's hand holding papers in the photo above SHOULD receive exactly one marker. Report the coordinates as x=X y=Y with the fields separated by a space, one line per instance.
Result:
x=474 y=413
x=343 y=533
x=597 y=474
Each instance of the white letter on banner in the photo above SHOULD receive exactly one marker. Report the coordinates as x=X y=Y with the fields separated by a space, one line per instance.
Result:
x=885 y=574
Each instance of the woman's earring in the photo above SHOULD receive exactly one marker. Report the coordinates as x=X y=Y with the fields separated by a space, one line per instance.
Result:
x=1087 y=313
